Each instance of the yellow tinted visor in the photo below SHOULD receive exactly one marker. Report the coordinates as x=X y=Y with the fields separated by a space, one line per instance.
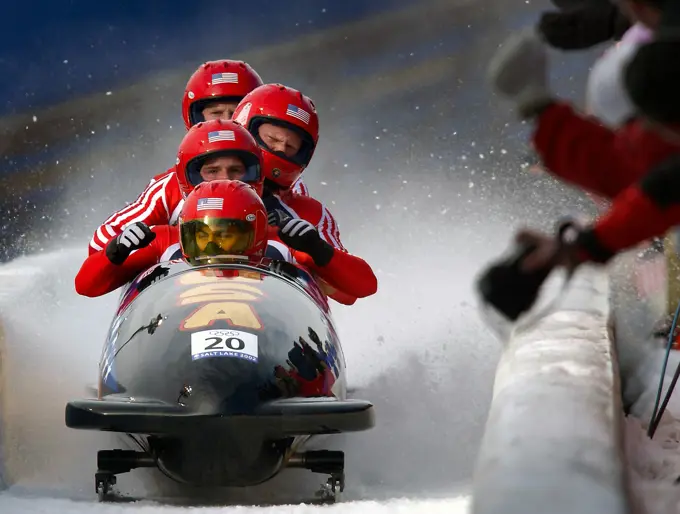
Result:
x=205 y=238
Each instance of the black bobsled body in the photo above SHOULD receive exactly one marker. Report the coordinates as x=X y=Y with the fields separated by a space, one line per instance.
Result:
x=221 y=373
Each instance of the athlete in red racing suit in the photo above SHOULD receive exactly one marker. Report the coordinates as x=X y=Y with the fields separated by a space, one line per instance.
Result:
x=212 y=92
x=220 y=219
x=286 y=126
x=227 y=147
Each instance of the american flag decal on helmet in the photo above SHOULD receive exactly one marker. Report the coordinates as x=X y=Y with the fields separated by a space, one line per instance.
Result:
x=224 y=78
x=297 y=112
x=221 y=135
x=205 y=204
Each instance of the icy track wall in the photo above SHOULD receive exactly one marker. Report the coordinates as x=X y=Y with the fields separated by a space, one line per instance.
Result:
x=553 y=438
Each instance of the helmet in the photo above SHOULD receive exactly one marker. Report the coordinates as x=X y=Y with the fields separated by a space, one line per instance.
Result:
x=217 y=138
x=222 y=221
x=225 y=80
x=285 y=107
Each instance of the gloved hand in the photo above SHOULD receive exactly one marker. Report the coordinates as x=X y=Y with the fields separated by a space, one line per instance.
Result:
x=301 y=235
x=518 y=71
x=277 y=217
x=580 y=28
x=138 y=235
x=511 y=285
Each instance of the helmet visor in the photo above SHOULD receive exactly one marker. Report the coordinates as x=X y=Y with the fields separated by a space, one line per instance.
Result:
x=209 y=239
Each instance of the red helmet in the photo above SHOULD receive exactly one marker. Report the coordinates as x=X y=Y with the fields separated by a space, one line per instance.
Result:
x=285 y=107
x=221 y=221
x=225 y=80
x=213 y=139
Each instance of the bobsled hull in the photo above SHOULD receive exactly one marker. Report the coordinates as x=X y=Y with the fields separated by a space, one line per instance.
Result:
x=226 y=370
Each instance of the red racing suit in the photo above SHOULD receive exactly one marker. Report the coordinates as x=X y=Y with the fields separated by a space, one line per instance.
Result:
x=350 y=277
x=159 y=204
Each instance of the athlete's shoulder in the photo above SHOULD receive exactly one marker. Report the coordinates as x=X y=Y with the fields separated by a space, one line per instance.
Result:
x=305 y=206
x=165 y=174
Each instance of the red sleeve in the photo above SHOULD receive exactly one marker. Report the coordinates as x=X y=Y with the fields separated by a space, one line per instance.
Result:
x=343 y=298
x=350 y=275
x=632 y=219
x=328 y=229
x=98 y=276
x=155 y=206
x=585 y=153
x=333 y=293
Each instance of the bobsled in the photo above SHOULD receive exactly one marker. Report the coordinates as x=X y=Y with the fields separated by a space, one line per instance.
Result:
x=221 y=374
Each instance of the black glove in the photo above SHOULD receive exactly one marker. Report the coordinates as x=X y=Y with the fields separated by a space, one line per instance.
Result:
x=138 y=235
x=511 y=285
x=278 y=217
x=580 y=28
x=158 y=273
x=301 y=235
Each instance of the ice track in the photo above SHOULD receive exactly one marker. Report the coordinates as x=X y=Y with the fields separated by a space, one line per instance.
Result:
x=39 y=506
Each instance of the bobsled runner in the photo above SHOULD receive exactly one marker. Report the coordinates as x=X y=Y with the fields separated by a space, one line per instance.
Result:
x=221 y=374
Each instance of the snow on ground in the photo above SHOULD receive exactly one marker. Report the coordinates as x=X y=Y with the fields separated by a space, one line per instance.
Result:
x=447 y=506
x=654 y=463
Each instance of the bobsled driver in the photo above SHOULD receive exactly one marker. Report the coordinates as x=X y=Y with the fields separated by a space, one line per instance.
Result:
x=222 y=220
x=229 y=211
x=212 y=92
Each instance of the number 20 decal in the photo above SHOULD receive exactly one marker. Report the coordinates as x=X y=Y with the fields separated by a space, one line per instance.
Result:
x=224 y=343
x=233 y=343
